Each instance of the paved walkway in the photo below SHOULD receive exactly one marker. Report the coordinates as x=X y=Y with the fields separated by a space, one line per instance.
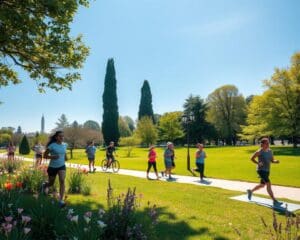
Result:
x=291 y=193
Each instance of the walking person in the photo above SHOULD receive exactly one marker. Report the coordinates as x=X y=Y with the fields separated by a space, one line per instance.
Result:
x=90 y=151
x=168 y=155
x=38 y=148
x=152 y=161
x=11 y=151
x=200 y=157
x=265 y=157
x=56 y=151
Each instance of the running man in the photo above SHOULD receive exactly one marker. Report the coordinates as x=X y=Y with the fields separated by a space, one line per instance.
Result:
x=265 y=157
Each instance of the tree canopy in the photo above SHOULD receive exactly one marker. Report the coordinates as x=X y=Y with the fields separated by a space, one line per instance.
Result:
x=169 y=126
x=145 y=108
x=34 y=36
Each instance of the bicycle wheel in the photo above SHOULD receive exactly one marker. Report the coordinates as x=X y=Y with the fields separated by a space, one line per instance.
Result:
x=115 y=166
x=104 y=164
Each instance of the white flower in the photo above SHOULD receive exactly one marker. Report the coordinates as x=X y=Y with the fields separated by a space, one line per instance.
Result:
x=101 y=224
x=87 y=219
x=20 y=210
x=27 y=230
x=9 y=205
x=71 y=211
x=74 y=219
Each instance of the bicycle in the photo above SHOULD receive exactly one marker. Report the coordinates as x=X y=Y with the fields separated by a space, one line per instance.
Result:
x=114 y=165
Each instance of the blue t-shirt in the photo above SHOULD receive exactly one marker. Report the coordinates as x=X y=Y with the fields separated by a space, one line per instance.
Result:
x=60 y=150
x=168 y=155
x=201 y=157
x=90 y=151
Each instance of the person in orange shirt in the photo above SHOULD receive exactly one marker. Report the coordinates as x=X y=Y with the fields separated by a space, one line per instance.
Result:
x=152 y=161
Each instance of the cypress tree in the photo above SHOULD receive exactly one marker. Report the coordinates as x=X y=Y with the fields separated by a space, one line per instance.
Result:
x=110 y=129
x=145 y=108
x=24 y=146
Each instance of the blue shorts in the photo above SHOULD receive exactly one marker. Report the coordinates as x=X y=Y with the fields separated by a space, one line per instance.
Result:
x=264 y=176
x=168 y=163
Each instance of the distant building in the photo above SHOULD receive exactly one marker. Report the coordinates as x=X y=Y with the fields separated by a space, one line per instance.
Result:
x=43 y=124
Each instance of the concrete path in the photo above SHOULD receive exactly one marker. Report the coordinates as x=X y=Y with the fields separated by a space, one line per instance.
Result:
x=291 y=193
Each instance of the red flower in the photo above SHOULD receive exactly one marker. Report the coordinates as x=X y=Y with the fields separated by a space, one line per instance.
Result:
x=19 y=184
x=8 y=186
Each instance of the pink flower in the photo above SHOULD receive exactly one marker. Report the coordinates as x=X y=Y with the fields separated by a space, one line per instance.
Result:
x=26 y=219
x=8 y=219
x=7 y=227
x=88 y=214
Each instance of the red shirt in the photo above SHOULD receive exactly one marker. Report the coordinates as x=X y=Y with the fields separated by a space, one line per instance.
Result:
x=152 y=155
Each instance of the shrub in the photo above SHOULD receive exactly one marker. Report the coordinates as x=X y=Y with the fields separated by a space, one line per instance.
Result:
x=77 y=180
x=24 y=146
x=10 y=165
x=32 y=179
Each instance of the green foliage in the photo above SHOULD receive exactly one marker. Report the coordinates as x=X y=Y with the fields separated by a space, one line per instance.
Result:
x=35 y=36
x=10 y=165
x=32 y=179
x=129 y=143
x=62 y=122
x=129 y=122
x=91 y=125
x=169 y=126
x=145 y=108
x=146 y=131
x=123 y=128
x=77 y=181
x=110 y=127
x=227 y=111
x=277 y=111
x=24 y=147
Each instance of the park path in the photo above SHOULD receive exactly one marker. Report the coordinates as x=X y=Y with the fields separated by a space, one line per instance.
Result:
x=291 y=193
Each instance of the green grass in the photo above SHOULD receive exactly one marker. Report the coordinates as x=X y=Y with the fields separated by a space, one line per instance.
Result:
x=222 y=162
x=185 y=211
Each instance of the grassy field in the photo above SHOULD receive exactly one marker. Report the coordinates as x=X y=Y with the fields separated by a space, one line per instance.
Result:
x=185 y=211
x=222 y=162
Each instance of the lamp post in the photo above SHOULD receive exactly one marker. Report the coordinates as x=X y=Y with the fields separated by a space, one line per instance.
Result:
x=188 y=119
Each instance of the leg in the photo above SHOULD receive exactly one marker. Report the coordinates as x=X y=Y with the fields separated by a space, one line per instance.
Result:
x=93 y=164
x=61 y=176
x=155 y=169
x=90 y=165
x=269 y=189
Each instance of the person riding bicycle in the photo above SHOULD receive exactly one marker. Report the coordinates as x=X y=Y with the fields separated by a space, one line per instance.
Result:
x=110 y=150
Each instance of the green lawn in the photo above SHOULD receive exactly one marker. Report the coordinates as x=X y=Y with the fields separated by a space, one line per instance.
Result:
x=185 y=211
x=222 y=162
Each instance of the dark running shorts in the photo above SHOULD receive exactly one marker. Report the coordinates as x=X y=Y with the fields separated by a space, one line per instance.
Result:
x=91 y=158
x=264 y=176
x=38 y=155
x=53 y=171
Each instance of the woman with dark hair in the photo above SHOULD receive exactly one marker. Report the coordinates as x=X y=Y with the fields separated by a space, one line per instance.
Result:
x=56 y=151
x=11 y=151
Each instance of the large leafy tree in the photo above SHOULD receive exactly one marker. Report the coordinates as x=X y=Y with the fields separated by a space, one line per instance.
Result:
x=91 y=125
x=169 y=126
x=124 y=128
x=34 y=35
x=146 y=131
x=277 y=111
x=227 y=111
x=145 y=108
x=199 y=128
x=110 y=127
x=129 y=121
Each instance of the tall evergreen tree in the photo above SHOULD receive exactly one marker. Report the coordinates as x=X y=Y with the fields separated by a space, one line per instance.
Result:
x=110 y=129
x=24 y=146
x=19 y=130
x=145 y=109
x=43 y=125
x=62 y=122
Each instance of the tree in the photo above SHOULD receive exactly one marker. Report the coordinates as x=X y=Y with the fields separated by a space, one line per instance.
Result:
x=145 y=108
x=199 y=128
x=24 y=147
x=34 y=35
x=169 y=126
x=129 y=143
x=227 y=111
x=123 y=128
x=146 y=131
x=43 y=125
x=62 y=122
x=110 y=127
x=19 y=130
x=92 y=125
x=129 y=122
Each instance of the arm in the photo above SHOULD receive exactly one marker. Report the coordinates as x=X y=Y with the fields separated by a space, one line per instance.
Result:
x=273 y=160
x=255 y=155
x=47 y=156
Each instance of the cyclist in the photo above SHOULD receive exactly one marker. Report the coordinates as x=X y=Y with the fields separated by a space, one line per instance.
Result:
x=110 y=150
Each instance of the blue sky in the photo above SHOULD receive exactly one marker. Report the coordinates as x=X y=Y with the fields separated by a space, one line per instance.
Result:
x=181 y=47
